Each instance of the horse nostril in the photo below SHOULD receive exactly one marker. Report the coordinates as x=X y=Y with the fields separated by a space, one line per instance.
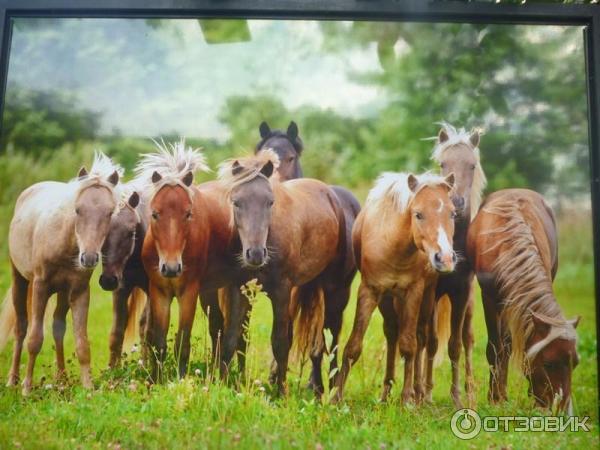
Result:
x=163 y=268
x=264 y=252
x=248 y=255
x=454 y=258
x=438 y=257
x=179 y=268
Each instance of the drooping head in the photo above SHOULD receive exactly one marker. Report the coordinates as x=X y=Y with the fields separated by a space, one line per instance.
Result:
x=95 y=202
x=457 y=152
x=288 y=147
x=432 y=219
x=550 y=358
x=252 y=198
x=170 y=174
x=120 y=242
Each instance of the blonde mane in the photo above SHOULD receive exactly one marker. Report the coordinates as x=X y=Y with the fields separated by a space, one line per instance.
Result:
x=102 y=168
x=456 y=137
x=172 y=161
x=250 y=167
x=393 y=187
x=524 y=285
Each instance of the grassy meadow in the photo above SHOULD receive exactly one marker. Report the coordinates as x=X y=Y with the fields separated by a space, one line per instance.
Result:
x=197 y=412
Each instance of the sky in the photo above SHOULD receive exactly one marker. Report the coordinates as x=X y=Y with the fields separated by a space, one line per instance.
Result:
x=149 y=78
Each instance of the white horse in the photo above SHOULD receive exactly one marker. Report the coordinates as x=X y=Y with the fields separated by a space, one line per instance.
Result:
x=55 y=238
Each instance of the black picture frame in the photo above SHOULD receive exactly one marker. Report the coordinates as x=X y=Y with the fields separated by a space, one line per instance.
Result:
x=587 y=16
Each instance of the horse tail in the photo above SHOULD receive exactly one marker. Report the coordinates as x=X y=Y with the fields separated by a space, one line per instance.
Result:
x=442 y=325
x=8 y=319
x=135 y=306
x=309 y=320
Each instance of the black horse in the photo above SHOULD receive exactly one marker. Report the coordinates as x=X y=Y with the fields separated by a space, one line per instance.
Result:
x=336 y=287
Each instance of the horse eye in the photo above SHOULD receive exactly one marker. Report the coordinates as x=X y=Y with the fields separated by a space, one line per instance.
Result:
x=453 y=215
x=290 y=159
x=154 y=215
x=442 y=165
x=236 y=203
x=419 y=216
x=473 y=167
x=188 y=215
x=77 y=211
x=270 y=203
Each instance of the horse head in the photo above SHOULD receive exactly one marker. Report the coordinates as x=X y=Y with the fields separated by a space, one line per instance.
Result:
x=288 y=147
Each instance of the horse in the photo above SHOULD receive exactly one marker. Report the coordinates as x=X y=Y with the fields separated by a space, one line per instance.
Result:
x=291 y=233
x=401 y=242
x=512 y=244
x=122 y=269
x=185 y=248
x=457 y=152
x=55 y=241
x=336 y=289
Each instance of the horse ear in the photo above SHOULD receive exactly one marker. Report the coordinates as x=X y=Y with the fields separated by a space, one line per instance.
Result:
x=82 y=172
x=474 y=138
x=188 y=178
x=412 y=182
x=442 y=136
x=156 y=177
x=264 y=129
x=540 y=323
x=450 y=180
x=292 y=130
x=114 y=178
x=574 y=322
x=236 y=168
x=134 y=200
x=267 y=169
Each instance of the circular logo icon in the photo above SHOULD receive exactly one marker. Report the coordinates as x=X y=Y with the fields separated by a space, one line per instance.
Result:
x=465 y=424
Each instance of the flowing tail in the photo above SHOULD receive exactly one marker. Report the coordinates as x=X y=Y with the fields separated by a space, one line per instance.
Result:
x=135 y=306
x=8 y=319
x=444 y=311
x=309 y=320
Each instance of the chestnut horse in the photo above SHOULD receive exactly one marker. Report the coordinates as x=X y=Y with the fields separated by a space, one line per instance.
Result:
x=122 y=269
x=336 y=289
x=185 y=246
x=55 y=239
x=291 y=234
x=401 y=242
x=457 y=152
x=512 y=244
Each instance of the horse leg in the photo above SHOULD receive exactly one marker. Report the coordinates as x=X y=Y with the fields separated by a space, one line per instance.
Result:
x=59 y=326
x=160 y=312
x=187 y=312
x=280 y=336
x=407 y=342
x=366 y=304
x=424 y=333
x=431 y=351
x=80 y=301
x=20 y=287
x=238 y=309
x=494 y=348
x=458 y=299
x=120 y=318
x=390 y=330
x=40 y=294
x=468 y=341
x=335 y=325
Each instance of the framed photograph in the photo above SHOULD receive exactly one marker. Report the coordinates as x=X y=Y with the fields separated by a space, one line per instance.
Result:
x=300 y=224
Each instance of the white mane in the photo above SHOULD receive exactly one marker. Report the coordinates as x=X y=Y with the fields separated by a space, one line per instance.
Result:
x=172 y=162
x=457 y=137
x=394 y=186
x=102 y=168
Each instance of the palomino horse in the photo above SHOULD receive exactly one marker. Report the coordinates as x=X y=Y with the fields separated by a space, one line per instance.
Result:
x=55 y=239
x=336 y=289
x=185 y=245
x=401 y=241
x=512 y=244
x=457 y=152
x=122 y=269
x=291 y=234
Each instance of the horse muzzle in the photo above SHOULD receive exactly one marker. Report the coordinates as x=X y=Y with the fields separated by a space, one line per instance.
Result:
x=89 y=260
x=108 y=282
x=444 y=262
x=171 y=270
x=255 y=257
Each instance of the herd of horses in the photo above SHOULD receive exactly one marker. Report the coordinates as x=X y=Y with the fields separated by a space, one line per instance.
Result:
x=418 y=242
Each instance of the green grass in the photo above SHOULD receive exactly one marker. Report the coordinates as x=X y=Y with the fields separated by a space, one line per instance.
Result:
x=122 y=412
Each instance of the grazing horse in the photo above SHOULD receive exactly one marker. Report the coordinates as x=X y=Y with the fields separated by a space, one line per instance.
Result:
x=288 y=146
x=512 y=244
x=185 y=245
x=291 y=234
x=55 y=241
x=457 y=152
x=122 y=269
x=401 y=242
